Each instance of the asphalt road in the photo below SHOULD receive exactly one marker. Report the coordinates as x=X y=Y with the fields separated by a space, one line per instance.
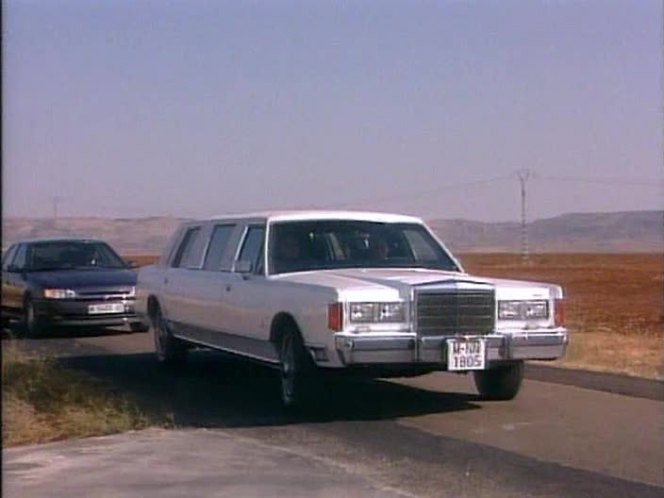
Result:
x=568 y=434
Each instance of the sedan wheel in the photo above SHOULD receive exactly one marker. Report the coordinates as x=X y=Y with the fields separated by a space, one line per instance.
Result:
x=33 y=325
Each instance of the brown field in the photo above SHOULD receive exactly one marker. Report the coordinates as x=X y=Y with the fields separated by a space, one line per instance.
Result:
x=613 y=304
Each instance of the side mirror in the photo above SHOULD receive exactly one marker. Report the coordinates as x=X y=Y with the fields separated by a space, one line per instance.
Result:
x=244 y=267
x=131 y=263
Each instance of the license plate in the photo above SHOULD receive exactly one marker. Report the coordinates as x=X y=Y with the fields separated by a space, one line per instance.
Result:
x=466 y=353
x=98 y=309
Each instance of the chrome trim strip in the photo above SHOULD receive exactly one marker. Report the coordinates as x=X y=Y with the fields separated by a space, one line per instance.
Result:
x=255 y=349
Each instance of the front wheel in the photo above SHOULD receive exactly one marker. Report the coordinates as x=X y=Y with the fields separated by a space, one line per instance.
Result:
x=139 y=327
x=33 y=325
x=169 y=350
x=297 y=370
x=500 y=383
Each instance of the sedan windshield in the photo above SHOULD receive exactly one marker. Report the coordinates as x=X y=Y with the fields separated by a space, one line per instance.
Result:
x=71 y=255
x=315 y=245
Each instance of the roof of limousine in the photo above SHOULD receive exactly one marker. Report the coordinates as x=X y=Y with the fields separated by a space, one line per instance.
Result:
x=306 y=215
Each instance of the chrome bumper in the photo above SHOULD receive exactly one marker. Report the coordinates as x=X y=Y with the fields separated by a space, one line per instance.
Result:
x=367 y=350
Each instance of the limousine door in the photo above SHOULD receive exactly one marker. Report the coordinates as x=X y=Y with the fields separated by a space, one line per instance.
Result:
x=182 y=286
x=244 y=313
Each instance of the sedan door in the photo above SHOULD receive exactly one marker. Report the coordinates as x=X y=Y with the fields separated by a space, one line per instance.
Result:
x=10 y=280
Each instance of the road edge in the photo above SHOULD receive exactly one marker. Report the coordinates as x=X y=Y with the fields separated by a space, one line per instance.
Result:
x=636 y=387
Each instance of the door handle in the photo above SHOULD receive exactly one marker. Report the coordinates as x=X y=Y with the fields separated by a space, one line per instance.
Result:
x=165 y=280
x=228 y=287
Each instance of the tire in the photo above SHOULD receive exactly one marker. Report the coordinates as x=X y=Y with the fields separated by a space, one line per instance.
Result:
x=169 y=350
x=297 y=370
x=6 y=323
x=138 y=327
x=32 y=326
x=500 y=383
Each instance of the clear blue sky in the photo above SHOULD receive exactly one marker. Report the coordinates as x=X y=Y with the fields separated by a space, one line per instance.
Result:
x=190 y=108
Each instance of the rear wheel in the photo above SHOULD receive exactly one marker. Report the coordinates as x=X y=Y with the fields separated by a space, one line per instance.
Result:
x=298 y=372
x=169 y=350
x=500 y=383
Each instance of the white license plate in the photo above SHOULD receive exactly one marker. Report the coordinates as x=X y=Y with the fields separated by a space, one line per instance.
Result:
x=98 y=309
x=466 y=353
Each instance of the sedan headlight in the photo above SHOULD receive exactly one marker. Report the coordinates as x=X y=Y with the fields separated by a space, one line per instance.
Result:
x=59 y=293
x=523 y=310
x=377 y=313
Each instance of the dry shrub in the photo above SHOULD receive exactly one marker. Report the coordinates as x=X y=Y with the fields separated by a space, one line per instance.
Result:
x=44 y=402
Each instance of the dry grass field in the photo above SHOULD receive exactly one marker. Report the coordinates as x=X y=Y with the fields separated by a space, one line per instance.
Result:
x=41 y=402
x=613 y=305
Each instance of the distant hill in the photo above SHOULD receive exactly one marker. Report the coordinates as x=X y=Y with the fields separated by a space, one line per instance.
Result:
x=634 y=231
x=127 y=235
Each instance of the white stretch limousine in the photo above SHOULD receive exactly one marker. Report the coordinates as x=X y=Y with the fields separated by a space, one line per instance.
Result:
x=369 y=293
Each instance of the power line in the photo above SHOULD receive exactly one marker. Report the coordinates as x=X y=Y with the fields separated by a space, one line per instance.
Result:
x=418 y=194
x=606 y=181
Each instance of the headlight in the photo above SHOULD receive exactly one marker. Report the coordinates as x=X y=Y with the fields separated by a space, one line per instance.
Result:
x=377 y=313
x=59 y=293
x=523 y=310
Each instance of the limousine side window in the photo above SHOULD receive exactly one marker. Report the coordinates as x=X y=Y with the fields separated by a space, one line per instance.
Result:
x=218 y=244
x=190 y=250
x=252 y=248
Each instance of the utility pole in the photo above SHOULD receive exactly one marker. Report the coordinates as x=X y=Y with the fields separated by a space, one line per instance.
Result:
x=56 y=200
x=524 y=175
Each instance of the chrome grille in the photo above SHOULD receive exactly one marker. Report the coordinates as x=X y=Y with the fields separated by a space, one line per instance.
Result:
x=104 y=295
x=456 y=312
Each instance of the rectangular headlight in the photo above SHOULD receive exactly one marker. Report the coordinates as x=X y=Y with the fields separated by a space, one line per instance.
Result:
x=362 y=312
x=59 y=293
x=391 y=312
x=523 y=310
x=377 y=312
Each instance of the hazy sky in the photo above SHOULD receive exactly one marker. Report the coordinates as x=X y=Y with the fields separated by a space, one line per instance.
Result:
x=190 y=108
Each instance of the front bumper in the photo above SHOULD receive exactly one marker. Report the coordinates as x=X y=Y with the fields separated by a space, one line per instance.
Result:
x=72 y=312
x=404 y=349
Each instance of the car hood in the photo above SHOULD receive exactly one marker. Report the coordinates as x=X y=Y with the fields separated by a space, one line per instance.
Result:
x=397 y=283
x=76 y=279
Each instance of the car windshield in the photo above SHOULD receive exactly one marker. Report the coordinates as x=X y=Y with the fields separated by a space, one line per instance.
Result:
x=316 y=245
x=71 y=255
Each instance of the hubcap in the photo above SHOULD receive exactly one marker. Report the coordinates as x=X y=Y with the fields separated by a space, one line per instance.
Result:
x=30 y=319
x=287 y=369
x=159 y=336
x=30 y=316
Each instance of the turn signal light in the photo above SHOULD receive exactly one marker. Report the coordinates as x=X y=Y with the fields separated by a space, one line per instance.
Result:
x=558 y=313
x=335 y=317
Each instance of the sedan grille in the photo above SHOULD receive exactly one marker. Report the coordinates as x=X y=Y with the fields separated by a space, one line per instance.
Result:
x=456 y=312
x=104 y=295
